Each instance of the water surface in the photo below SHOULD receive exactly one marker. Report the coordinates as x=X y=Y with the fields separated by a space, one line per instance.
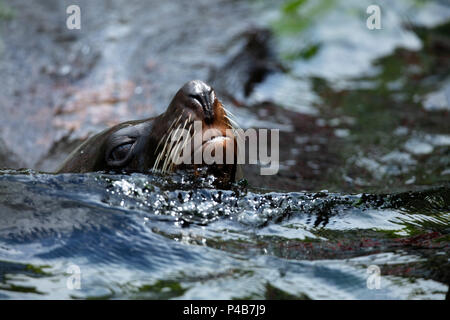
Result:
x=146 y=236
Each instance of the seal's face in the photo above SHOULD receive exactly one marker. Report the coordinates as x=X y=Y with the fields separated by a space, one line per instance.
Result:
x=154 y=143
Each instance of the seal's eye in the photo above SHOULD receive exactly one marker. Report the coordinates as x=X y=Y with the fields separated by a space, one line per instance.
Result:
x=120 y=152
x=118 y=155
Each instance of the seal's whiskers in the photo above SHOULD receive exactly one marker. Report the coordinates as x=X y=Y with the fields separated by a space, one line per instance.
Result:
x=165 y=138
x=174 y=122
x=174 y=142
x=169 y=162
x=179 y=148
x=182 y=144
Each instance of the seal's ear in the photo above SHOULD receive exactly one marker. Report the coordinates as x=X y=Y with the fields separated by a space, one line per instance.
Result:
x=119 y=147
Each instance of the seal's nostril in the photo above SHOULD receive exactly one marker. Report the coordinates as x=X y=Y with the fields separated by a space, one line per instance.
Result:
x=199 y=99
x=206 y=103
x=196 y=97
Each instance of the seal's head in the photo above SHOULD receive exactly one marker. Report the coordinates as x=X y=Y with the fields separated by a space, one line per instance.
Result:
x=195 y=124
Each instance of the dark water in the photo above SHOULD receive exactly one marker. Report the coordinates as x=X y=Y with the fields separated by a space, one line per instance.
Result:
x=364 y=165
x=144 y=236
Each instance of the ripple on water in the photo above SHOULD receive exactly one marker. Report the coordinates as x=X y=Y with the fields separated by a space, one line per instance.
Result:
x=148 y=236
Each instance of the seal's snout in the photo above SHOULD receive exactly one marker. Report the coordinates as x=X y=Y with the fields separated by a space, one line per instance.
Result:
x=203 y=96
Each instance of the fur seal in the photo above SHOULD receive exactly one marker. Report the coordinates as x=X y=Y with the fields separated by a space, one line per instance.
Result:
x=144 y=145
